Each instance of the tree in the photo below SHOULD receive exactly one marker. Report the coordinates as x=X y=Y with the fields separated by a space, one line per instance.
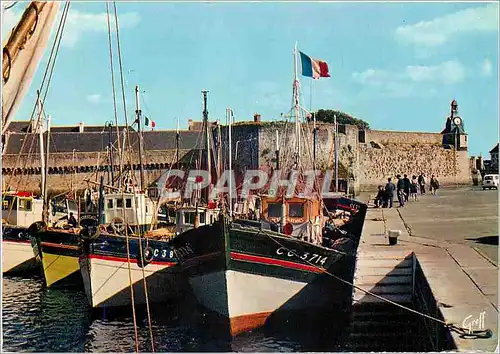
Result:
x=326 y=116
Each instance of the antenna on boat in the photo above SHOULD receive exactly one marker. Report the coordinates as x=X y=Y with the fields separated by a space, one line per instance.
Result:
x=138 y=120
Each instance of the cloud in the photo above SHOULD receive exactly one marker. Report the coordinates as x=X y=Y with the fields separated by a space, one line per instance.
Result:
x=94 y=98
x=440 y=30
x=486 y=67
x=9 y=20
x=449 y=72
x=79 y=23
x=412 y=79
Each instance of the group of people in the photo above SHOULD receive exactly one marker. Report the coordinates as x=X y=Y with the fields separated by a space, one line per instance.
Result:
x=405 y=189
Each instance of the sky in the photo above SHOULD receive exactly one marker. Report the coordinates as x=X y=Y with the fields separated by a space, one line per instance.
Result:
x=395 y=65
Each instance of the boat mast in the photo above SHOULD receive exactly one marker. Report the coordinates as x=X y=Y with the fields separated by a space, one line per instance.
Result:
x=230 y=121
x=45 y=212
x=296 y=106
x=39 y=125
x=336 y=154
x=139 y=133
x=207 y=138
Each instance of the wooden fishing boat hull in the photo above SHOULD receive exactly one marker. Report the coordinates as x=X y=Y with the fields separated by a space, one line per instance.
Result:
x=17 y=253
x=58 y=251
x=105 y=271
x=250 y=277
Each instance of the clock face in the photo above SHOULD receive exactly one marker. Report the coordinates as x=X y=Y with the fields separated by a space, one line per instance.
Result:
x=457 y=121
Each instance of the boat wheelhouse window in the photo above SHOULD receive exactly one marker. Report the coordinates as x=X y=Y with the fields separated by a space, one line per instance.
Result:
x=295 y=210
x=8 y=202
x=128 y=203
x=119 y=203
x=110 y=203
x=202 y=218
x=189 y=218
x=25 y=205
x=273 y=210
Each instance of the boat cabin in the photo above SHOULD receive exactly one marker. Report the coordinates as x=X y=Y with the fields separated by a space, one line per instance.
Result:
x=21 y=208
x=139 y=208
x=295 y=215
x=186 y=216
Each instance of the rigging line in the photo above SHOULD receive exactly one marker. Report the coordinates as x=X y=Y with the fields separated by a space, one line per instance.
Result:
x=115 y=109
x=126 y=123
x=10 y=6
x=127 y=240
x=127 y=135
x=41 y=87
x=463 y=331
x=56 y=47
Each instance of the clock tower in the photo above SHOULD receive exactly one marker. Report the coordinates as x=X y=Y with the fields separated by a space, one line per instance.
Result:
x=454 y=135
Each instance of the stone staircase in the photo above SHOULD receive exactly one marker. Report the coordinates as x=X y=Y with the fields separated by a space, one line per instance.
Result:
x=377 y=325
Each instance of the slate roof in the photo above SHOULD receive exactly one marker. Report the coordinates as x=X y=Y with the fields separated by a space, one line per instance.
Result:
x=21 y=126
x=97 y=141
x=494 y=150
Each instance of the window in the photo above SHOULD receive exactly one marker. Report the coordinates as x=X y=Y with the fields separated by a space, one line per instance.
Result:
x=488 y=178
x=274 y=210
x=296 y=210
x=128 y=203
x=110 y=203
x=119 y=203
x=361 y=136
x=189 y=218
x=147 y=209
x=9 y=202
x=27 y=205
x=202 y=218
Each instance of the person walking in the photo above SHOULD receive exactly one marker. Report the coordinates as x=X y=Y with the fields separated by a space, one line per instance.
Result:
x=400 y=190
x=434 y=185
x=389 y=192
x=407 y=185
x=414 y=188
x=380 y=198
x=421 y=183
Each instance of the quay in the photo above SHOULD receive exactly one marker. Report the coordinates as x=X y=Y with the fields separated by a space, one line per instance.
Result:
x=442 y=265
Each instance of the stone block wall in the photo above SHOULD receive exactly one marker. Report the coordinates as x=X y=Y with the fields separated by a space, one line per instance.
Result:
x=385 y=136
x=377 y=164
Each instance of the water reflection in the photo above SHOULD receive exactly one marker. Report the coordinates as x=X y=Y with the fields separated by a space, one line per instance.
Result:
x=38 y=319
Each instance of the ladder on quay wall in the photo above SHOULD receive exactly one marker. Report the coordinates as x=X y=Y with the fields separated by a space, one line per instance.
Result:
x=377 y=325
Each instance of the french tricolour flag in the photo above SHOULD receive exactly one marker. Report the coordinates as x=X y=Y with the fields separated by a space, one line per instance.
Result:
x=313 y=67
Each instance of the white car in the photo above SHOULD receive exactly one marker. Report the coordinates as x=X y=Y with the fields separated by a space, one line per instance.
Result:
x=490 y=181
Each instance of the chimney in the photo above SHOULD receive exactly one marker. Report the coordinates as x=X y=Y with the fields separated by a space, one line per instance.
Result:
x=256 y=117
x=80 y=127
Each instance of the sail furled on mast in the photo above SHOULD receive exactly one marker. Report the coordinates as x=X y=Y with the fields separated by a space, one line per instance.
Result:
x=21 y=64
x=314 y=68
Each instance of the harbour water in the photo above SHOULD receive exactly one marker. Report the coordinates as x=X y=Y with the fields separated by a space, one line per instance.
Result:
x=37 y=319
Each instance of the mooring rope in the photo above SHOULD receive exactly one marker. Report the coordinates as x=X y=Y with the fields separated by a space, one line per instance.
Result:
x=464 y=332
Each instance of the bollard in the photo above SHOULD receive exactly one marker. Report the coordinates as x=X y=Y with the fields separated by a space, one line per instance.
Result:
x=393 y=237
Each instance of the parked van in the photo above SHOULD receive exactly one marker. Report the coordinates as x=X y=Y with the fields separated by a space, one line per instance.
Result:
x=490 y=181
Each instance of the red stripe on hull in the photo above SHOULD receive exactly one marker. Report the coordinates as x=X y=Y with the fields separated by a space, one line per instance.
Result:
x=58 y=245
x=17 y=242
x=123 y=260
x=272 y=261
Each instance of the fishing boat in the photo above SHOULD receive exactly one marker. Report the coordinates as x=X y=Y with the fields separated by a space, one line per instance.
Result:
x=19 y=211
x=286 y=267
x=110 y=269
x=126 y=259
